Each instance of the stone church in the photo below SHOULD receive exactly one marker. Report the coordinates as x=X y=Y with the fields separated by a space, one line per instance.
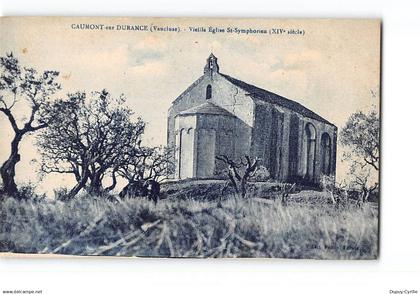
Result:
x=221 y=115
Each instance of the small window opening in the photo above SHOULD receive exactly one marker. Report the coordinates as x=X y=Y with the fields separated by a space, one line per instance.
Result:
x=208 y=92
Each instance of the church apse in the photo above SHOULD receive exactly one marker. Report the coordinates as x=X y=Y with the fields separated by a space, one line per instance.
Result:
x=204 y=132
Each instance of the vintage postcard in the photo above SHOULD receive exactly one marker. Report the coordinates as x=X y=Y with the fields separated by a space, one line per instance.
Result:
x=190 y=137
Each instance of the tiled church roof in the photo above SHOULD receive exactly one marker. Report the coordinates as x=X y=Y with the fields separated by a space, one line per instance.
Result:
x=273 y=98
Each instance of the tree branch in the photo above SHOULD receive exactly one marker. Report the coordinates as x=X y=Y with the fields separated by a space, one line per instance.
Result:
x=11 y=118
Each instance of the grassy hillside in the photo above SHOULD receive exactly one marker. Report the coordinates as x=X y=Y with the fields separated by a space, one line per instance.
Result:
x=188 y=228
x=206 y=190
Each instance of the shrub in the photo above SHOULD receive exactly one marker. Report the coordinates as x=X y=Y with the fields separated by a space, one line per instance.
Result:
x=60 y=193
x=261 y=174
x=27 y=191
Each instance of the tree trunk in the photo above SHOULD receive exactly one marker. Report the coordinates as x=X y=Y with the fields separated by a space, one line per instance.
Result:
x=8 y=169
x=366 y=195
x=95 y=185
x=114 y=183
x=234 y=184
x=73 y=192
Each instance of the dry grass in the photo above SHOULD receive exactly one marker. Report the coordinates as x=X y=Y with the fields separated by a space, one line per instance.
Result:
x=188 y=228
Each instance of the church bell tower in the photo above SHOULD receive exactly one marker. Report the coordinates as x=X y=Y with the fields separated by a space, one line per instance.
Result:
x=211 y=65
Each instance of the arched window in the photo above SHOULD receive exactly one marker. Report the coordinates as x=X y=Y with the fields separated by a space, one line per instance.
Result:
x=309 y=151
x=326 y=154
x=208 y=92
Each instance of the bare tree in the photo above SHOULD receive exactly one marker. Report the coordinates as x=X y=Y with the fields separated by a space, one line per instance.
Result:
x=88 y=139
x=27 y=87
x=361 y=182
x=338 y=191
x=239 y=172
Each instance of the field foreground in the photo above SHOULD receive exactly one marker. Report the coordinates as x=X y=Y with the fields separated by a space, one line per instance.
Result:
x=187 y=228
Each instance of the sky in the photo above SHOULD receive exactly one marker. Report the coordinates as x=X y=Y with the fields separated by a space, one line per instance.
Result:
x=333 y=68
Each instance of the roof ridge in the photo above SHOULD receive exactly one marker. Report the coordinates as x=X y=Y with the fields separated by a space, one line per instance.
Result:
x=277 y=99
x=189 y=88
x=262 y=89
